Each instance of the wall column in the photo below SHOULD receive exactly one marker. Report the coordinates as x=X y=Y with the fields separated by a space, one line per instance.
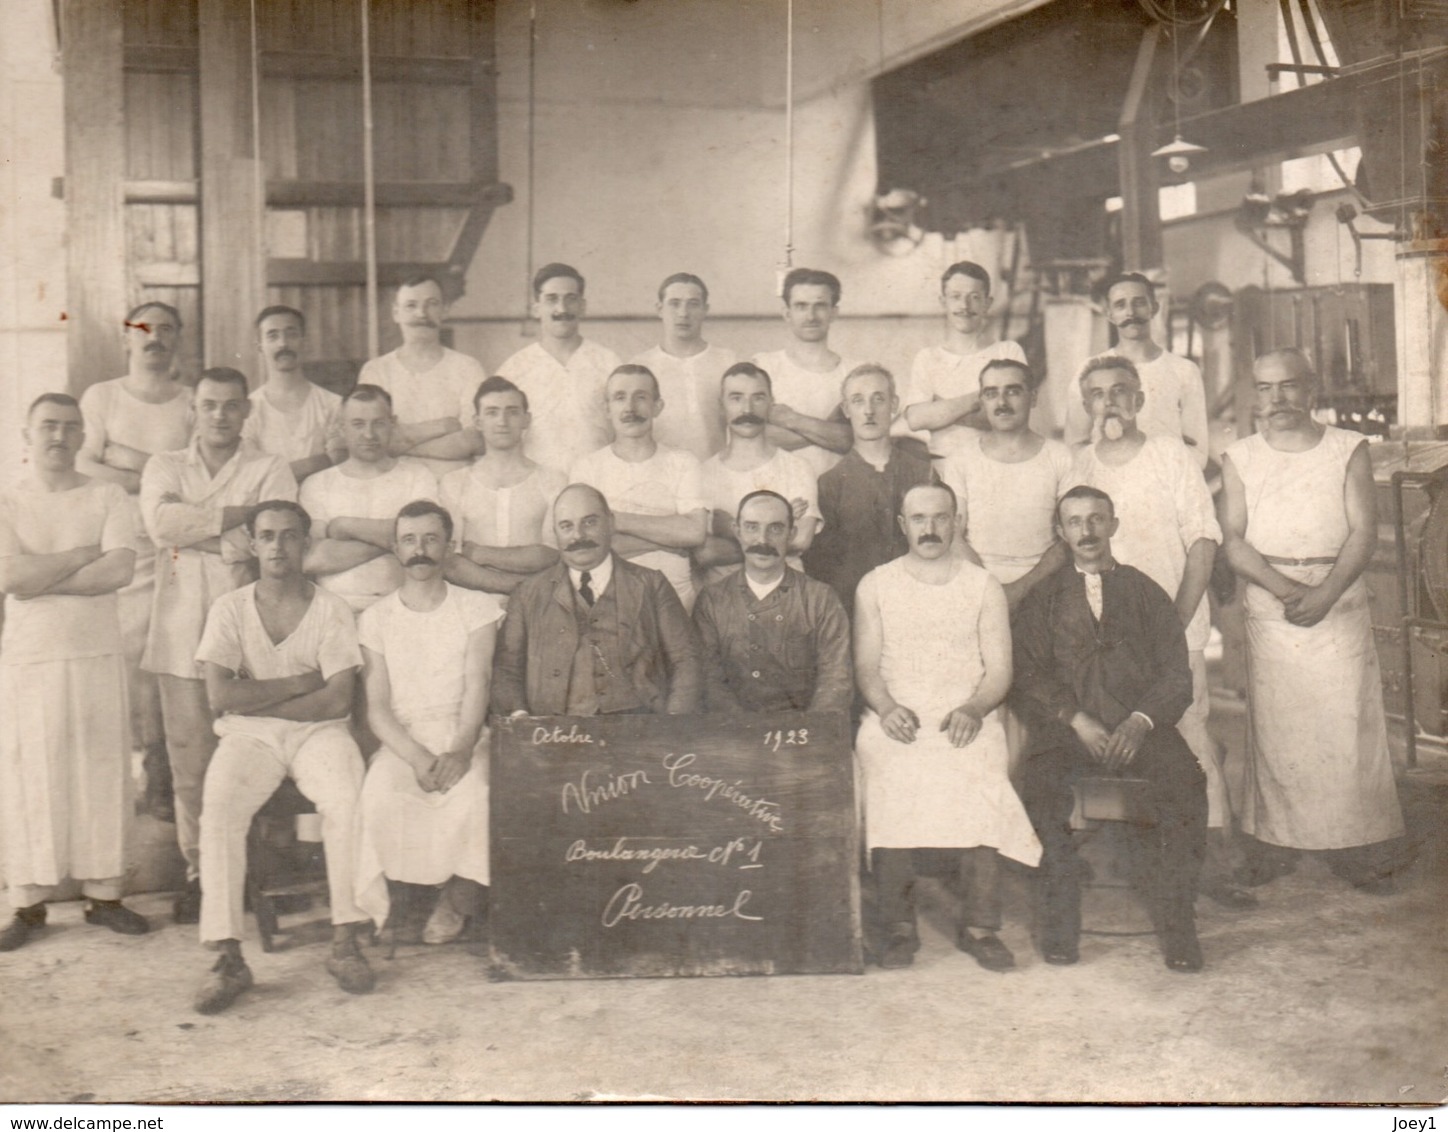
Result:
x=233 y=263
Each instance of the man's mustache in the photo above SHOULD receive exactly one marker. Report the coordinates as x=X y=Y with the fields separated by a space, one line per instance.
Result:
x=1133 y=321
x=420 y=560
x=562 y=316
x=930 y=539
x=425 y=322
x=748 y=418
x=157 y=346
x=632 y=418
x=762 y=548
x=286 y=352
x=581 y=544
x=1088 y=542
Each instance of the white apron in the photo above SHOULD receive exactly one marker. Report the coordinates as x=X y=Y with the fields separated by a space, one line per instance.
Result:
x=928 y=793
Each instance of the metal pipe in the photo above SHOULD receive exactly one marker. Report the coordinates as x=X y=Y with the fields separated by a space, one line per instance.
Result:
x=369 y=186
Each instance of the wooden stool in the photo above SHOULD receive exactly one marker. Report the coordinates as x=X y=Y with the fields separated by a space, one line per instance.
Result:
x=283 y=873
x=1119 y=801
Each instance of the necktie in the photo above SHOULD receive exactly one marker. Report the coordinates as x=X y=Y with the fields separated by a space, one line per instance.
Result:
x=584 y=590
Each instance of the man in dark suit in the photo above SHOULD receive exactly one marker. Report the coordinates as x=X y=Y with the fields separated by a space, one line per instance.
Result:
x=595 y=634
x=1101 y=678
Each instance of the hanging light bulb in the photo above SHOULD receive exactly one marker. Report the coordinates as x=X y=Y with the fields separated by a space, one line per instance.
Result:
x=1178 y=154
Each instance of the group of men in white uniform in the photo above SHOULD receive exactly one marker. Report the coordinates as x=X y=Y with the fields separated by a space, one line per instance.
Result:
x=423 y=498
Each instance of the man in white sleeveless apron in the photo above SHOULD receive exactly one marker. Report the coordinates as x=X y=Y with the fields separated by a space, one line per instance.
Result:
x=1300 y=523
x=933 y=661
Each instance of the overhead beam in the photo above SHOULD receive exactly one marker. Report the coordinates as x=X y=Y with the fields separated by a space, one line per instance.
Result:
x=233 y=270
x=345 y=273
x=337 y=194
x=436 y=70
x=95 y=167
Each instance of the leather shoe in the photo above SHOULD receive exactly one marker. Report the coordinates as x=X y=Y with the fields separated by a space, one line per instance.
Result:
x=901 y=946
x=1229 y=895
x=347 y=965
x=116 y=916
x=1181 y=950
x=1060 y=954
x=26 y=923
x=223 y=985
x=987 y=950
x=187 y=908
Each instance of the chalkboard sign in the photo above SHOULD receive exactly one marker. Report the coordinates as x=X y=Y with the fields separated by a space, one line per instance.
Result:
x=673 y=845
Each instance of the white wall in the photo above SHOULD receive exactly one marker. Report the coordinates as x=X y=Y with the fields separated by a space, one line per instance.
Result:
x=32 y=221
x=657 y=150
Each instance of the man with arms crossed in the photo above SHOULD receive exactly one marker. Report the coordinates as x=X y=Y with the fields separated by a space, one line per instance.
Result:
x=1012 y=477
x=427 y=653
x=943 y=393
x=1176 y=400
x=431 y=385
x=751 y=462
x=1101 y=677
x=66 y=550
x=596 y=634
x=127 y=420
x=933 y=661
x=687 y=368
x=290 y=416
x=654 y=491
x=194 y=502
x=1301 y=524
x=772 y=639
x=806 y=374
x=500 y=504
x=354 y=504
x=1168 y=530
x=280 y=656
x=562 y=374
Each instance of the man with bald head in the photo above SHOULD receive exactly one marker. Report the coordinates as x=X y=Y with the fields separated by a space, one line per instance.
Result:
x=595 y=634
x=1300 y=526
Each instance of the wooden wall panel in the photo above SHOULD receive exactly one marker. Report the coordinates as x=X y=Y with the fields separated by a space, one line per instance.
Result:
x=160 y=112
x=233 y=264
x=95 y=164
x=165 y=23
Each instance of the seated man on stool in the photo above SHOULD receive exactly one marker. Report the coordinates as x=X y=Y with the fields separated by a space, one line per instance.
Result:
x=1101 y=678
x=427 y=652
x=280 y=657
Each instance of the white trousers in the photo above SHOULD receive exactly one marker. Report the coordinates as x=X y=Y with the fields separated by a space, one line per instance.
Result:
x=255 y=754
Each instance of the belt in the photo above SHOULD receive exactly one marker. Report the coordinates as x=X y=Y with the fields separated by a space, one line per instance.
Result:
x=1279 y=561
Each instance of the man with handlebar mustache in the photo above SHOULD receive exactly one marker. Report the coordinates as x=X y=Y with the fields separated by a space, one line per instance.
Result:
x=595 y=634
x=1176 y=402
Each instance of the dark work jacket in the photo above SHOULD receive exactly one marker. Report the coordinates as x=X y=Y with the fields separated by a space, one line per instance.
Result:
x=787 y=652
x=1135 y=659
x=657 y=649
x=860 y=508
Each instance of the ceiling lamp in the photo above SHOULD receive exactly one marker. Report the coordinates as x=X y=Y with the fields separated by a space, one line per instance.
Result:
x=1179 y=153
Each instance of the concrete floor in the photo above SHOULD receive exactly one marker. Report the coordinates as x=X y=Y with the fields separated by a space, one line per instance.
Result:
x=1322 y=995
